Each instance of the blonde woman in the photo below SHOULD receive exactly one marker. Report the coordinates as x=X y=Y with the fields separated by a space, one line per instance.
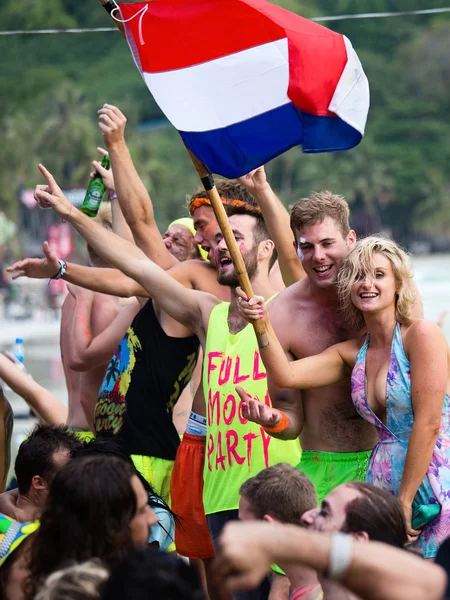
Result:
x=400 y=384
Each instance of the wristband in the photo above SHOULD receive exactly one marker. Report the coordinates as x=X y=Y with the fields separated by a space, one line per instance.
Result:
x=281 y=426
x=340 y=556
x=112 y=196
x=62 y=270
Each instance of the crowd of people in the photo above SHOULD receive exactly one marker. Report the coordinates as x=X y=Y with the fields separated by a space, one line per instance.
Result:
x=193 y=462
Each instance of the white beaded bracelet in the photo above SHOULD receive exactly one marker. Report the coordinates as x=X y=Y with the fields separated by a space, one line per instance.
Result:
x=340 y=555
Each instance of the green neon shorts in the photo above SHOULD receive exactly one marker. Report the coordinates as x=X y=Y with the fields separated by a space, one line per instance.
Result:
x=327 y=470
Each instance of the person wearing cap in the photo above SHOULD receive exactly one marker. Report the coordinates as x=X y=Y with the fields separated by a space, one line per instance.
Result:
x=179 y=240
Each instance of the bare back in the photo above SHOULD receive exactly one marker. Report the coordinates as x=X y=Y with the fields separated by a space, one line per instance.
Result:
x=76 y=416
x=83 y=386
x=104 y=311
x=306 y=327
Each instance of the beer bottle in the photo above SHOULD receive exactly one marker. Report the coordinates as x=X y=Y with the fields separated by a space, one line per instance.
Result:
x=95 y=192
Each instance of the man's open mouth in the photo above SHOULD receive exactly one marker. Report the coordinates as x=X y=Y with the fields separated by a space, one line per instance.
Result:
x=323 y=270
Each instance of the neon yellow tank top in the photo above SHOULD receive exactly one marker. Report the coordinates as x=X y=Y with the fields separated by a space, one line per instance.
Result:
x=236 y=449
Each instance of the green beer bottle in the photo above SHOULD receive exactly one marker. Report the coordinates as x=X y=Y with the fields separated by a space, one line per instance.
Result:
x=95 y=192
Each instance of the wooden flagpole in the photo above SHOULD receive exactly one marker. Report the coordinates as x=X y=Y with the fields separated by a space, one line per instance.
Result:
x=207 y=180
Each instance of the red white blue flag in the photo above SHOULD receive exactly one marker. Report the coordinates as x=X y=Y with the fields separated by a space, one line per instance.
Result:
x=245 y=80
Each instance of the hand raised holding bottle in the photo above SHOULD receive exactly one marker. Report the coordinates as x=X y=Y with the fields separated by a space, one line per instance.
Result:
x=105 y=173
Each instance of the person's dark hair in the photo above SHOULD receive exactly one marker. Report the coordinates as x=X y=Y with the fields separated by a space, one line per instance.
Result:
x=281 y=491
x=147 y=574
x=108 y=446
x=36 y=453
x=89 y=508
x=378 y=513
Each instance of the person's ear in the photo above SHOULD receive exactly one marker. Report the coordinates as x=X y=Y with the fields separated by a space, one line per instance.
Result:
x=38 y=483
x=360 y=536
x=270 y=519
x=266 y=249
x=351 y=238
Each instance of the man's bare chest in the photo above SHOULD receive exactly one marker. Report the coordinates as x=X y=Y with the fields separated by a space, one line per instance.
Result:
x=310 y=334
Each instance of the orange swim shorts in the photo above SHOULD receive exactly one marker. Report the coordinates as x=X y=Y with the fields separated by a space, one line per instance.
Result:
x=192 y=538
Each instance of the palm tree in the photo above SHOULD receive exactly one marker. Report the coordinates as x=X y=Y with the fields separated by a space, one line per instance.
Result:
x=68 y=135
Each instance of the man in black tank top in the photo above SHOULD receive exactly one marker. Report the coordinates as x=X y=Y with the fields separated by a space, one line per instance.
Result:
x=143 y=382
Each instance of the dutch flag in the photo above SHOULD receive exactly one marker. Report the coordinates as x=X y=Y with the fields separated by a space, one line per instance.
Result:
x=244 y=80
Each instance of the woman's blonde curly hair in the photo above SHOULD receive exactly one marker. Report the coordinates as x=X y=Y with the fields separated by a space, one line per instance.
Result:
x=360 y=261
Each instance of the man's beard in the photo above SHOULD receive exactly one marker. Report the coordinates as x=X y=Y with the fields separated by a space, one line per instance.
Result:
x=231 y=279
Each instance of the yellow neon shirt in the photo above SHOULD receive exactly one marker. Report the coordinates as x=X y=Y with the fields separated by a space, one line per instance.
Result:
x=236 y=449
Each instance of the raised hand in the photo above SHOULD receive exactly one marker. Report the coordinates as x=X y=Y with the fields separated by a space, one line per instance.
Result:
x=51 y=195
x=257 y=411
x=106 y=174
x=112 y=122
x=253 y=309
x=245 y=554
x=255 y=181
x=36 y=268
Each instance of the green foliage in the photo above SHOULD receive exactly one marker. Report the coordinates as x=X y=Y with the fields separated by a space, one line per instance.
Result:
x=52 y=85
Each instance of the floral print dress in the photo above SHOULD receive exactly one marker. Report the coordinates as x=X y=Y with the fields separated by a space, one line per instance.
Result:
x=388 y=457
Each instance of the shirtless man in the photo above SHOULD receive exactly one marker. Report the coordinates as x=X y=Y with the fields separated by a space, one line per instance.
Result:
x=91 y=328
x=307 y=318
x=40 y=456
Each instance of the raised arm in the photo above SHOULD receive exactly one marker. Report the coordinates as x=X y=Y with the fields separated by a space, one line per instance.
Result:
x=86 y=350
x=427 y=350
x=105 y=281
x=119 y=225
x=326 y=368
x=185 y=306
x=134 y=199
x=43 y=402
x=278 y=223
x=375 y=571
